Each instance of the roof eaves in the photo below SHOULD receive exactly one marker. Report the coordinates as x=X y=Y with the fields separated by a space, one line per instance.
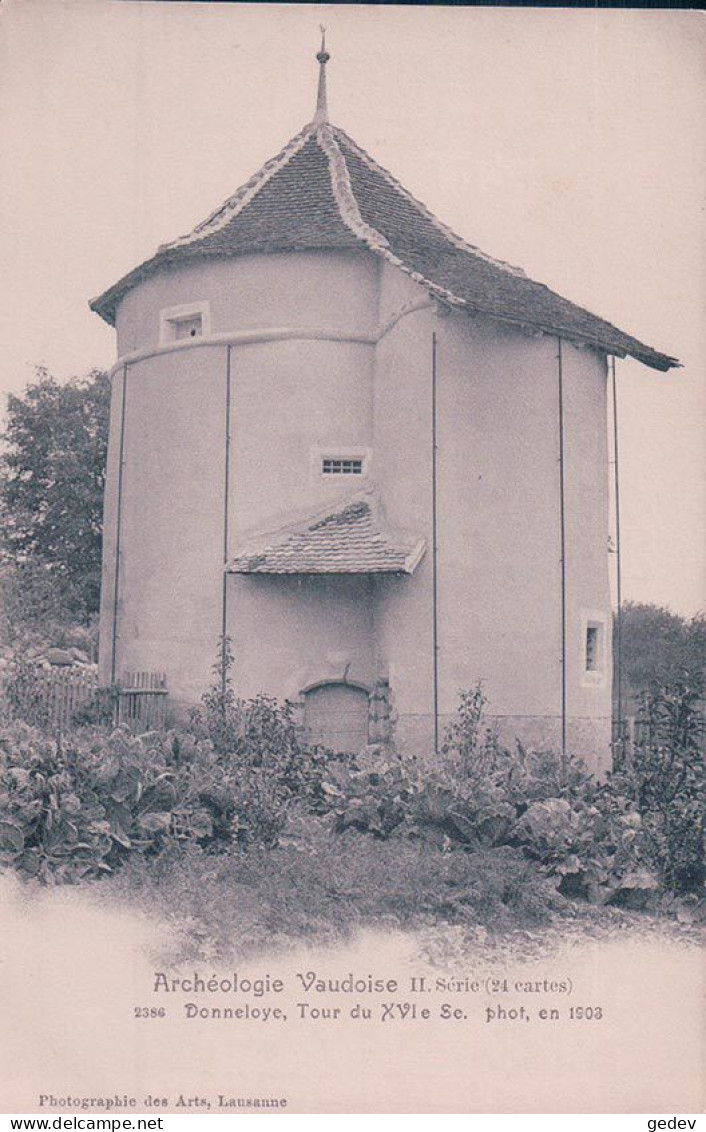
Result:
x=630 y=347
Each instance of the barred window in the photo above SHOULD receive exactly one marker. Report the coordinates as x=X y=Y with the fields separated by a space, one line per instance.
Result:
x=332 y=466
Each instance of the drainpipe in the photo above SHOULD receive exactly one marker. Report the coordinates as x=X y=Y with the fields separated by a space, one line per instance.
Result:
x=619 y=619
x=226 y=500
x=562 y=523
x=118 y=532
x=435 y=544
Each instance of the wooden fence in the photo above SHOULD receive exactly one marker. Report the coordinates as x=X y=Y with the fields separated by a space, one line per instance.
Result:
x=141 y=700
x=636 y=730
x=52 y=697
x=58 y=698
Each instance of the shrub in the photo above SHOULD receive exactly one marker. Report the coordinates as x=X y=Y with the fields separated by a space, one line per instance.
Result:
x=21 y=693
x=472 y=792
x=659 y=648
x=254 y=731
x=453 y=796
x=665 y=780
x=238 y=776
x=257 y=742
x=605 y=842
x=76 y=807
x=52 y=476
x=595 y=849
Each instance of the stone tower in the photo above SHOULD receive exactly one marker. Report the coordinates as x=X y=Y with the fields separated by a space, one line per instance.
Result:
x=370 y=454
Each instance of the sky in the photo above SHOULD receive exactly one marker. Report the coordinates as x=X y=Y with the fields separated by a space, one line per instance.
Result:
x=570 y=142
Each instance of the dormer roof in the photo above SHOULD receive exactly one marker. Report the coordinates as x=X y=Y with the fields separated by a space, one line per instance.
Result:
x=322 y=191
x=349 y=536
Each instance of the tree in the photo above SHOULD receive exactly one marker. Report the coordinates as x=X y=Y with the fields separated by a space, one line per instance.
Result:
x=52 y=474
x=661 y=649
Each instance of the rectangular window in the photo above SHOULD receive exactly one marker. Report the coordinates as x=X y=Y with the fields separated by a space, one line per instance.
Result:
x=332 y=466
x=592 y=647
x=183 y=323
x=330 y=462
x=187 y=327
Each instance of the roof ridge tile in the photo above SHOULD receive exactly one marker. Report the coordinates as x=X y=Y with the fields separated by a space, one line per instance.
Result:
x=343 y=190
x=453 y=237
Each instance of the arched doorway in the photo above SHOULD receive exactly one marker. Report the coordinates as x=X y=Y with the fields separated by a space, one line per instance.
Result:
x=336 y=716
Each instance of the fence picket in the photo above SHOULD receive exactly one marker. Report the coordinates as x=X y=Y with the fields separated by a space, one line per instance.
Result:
x=142 y=700
x=52 y=697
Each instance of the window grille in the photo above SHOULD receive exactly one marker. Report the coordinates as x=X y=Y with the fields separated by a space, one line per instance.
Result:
x=331 y=466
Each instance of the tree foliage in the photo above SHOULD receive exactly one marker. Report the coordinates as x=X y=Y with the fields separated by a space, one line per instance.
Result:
x=660 y=649
x=52 y=474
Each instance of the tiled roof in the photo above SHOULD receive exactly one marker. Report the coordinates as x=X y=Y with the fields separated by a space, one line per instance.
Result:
x=352 y=537
x=323 y=191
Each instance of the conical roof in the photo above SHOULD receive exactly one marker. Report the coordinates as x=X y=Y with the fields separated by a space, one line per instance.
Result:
x=322 y=191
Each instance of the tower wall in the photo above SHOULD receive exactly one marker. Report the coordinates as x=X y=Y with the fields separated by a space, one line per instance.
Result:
x=498 y=521
x=291 y=401
x=330 y=289
x=289 y=396
x=587 y=525
x=402 y=414
x=353 y=370
x=171 y=511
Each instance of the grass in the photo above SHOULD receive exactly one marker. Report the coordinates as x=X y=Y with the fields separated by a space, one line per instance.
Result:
x=320 y=887
x=234 y=907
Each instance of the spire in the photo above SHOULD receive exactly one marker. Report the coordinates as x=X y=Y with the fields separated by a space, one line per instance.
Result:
x=323 y=57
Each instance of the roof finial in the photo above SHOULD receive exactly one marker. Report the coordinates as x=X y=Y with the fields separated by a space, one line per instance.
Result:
x=323 y=57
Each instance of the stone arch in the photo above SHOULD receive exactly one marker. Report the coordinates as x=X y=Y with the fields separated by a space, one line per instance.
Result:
x=343 y=669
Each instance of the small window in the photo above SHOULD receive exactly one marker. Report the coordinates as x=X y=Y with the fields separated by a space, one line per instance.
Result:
x=594 y=646
x=333 y=466
x=328 y=463
x=592 y=643
x=593 y=649
x=181 y=324
x=187 y=327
